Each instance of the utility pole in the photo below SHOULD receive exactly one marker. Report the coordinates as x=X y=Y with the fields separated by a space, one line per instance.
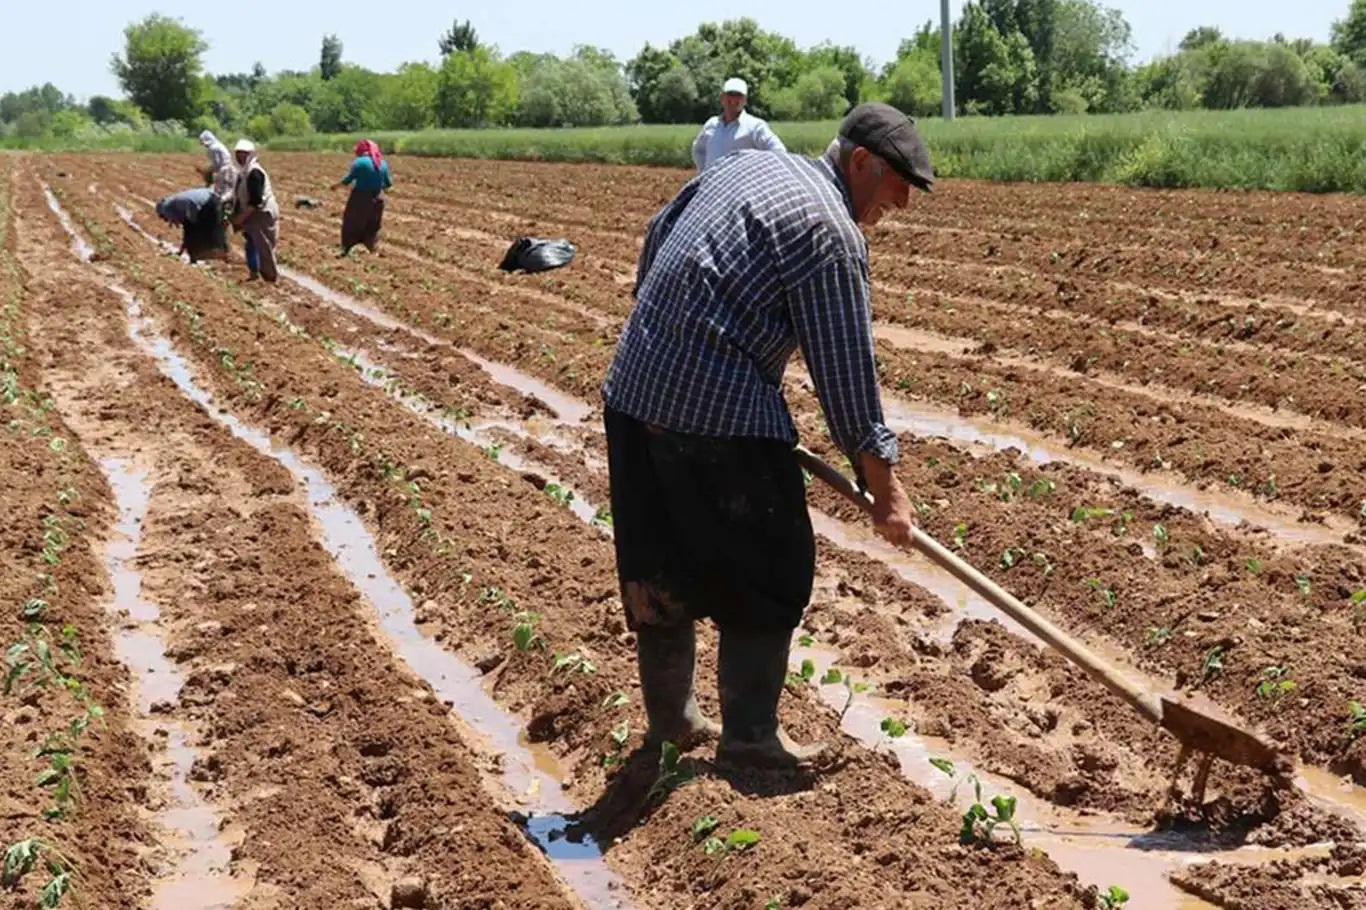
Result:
x=946 y=56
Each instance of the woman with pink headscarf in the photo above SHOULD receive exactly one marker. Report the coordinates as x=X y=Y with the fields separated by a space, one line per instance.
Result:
x=364 y=215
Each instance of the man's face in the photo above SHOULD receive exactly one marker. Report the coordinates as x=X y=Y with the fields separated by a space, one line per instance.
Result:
x=241 y=158
x=732 y=103
x=875 y=187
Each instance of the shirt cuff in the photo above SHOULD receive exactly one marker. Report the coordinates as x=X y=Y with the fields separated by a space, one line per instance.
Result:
x=879 y=441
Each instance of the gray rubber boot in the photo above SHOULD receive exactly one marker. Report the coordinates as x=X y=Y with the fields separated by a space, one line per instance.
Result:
x=665 y=657
x=752 y=673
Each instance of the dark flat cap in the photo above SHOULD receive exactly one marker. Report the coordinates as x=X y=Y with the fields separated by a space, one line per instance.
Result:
x=892 y=136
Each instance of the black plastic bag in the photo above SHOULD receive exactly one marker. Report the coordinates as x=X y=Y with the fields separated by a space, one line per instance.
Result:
x=531 y=254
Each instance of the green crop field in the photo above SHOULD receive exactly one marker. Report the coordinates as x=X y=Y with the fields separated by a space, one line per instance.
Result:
x=1308 y=149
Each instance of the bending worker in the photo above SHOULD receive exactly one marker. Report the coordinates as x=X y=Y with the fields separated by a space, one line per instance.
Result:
x=734 y=128
x=754 y=258
x=202 y=230
x=256 y=213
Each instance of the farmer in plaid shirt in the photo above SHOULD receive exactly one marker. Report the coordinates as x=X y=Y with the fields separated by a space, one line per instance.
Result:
x=753 y=259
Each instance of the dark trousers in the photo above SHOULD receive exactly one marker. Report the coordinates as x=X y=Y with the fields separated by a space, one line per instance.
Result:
x=708 y=527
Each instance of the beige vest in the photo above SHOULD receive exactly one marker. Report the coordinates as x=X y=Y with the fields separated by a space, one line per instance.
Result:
x=267 y=196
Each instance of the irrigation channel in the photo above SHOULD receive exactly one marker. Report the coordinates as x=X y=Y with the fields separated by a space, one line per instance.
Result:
x=468 y=389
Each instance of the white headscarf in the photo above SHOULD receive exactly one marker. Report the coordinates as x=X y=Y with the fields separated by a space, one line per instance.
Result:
x=218 y=152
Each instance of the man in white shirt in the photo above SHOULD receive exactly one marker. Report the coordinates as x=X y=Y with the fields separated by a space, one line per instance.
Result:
x=734 y=128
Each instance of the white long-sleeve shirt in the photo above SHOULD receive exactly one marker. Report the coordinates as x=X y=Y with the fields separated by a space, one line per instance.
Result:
x=717 y=138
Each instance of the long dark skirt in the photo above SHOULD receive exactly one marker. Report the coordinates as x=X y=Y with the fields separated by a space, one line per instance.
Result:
x=363 y=218
x=708 y=527
x=206 y=237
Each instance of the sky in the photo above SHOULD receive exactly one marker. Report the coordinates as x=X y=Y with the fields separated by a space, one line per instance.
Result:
x=71 y=42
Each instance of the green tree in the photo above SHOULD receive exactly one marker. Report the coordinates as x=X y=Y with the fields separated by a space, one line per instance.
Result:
x=461 y=36
x=588 y=89
x=1201 y=37
x=848 y=62
x=1349 y=33
x=475 y=88
x=290 y=120
x=409 y=98
x=817 y=95
x=330 y=61
x=915 y=84
x=1091 y=46
x=347 y=103
x=160 y=67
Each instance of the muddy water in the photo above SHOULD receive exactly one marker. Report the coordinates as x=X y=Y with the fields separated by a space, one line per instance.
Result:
x=199 y=877
x=568 y=409
x=350 y=543
x=922 y=419
x=1102 y=852
x=377 y=375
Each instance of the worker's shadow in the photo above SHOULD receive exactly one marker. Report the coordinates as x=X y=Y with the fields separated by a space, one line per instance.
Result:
x=641 y=785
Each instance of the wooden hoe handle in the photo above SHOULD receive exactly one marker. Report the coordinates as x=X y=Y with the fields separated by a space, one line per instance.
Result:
x=1073 y=650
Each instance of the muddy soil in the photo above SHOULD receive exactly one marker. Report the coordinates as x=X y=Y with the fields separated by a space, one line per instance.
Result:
x=453 y=524
x=52 y=580
x=478 y=540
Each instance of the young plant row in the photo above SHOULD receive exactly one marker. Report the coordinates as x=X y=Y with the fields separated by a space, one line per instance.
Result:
x=42 y=663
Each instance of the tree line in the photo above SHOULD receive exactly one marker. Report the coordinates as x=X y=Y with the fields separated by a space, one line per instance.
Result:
x=1010 y=57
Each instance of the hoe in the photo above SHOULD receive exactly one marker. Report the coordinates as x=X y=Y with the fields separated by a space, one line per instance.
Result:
x=1199 y=731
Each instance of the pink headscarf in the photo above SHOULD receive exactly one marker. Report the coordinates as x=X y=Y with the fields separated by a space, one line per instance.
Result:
x=370 y=149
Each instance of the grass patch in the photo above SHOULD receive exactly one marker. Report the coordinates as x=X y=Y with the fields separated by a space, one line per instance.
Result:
x=1305 y=149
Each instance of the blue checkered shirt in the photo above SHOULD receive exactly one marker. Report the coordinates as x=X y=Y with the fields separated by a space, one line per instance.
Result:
x=755 y=257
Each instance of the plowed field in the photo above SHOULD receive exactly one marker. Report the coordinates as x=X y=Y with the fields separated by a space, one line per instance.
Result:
x=309 y=597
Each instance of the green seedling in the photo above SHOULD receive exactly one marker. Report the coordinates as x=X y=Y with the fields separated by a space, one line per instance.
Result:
x=805 y=675
x=892 y=729
x=1107 y=595
x=702 y=827
x=834 y=677
x=34 y=608
x=619 y=736
x=979 y=824
x=946 y=767
x=524 y=631
x=1358 y=598
x=774 y=903
x=1113 y=897
x=1213 y=664
x=498 y=598
x=1356 y=722
x=571 y=663
x=673 y=773
x=736 y=842
x=60 y=775
x=1254 y=565
x=1011 y=557
x=960 y=536
x=1160 y=534
x=1086 y=513
x=1302 y=582
x=558 y=493
x=1042 y=488
x=603 y=516
x=806 y=641
x=492 y=451
x=22 y=858
x=1159 y=635
x=616 y=700
x=1275 y=685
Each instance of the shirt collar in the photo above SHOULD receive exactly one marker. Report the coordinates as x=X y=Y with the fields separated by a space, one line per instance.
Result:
x=829 y=163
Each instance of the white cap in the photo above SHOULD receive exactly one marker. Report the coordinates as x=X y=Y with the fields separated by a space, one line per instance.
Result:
x=244 y=145
x=735 y=84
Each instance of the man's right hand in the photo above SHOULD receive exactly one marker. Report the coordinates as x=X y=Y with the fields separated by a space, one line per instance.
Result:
x=891 y=506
